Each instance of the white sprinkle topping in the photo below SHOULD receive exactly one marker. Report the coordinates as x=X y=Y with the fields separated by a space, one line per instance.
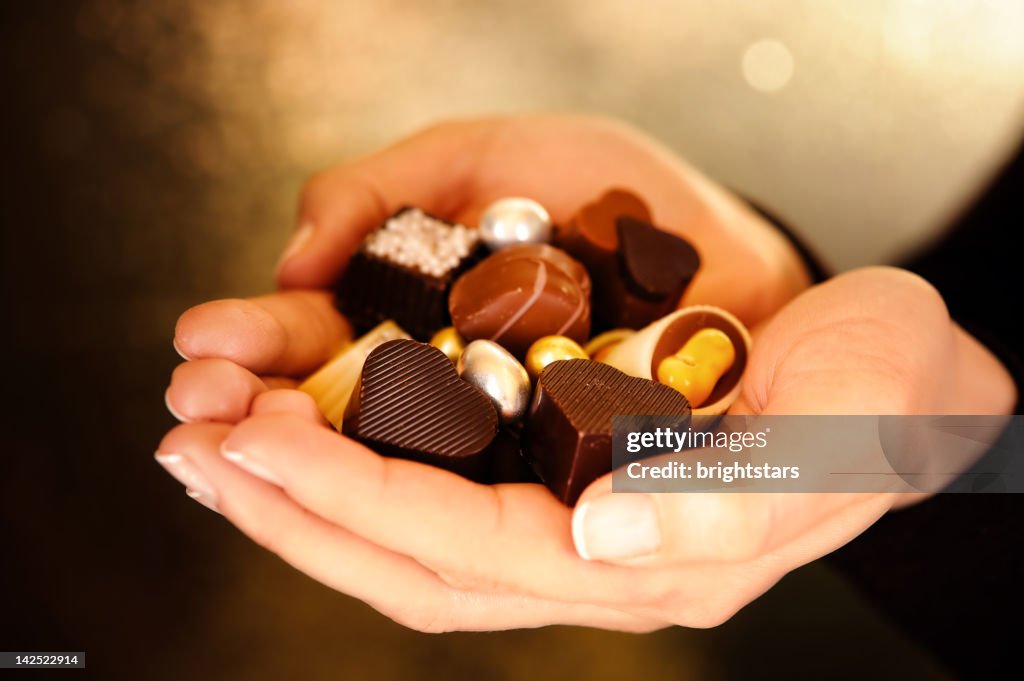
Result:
x=416 y=240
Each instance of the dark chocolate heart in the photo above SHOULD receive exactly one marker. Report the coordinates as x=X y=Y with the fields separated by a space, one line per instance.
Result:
x=568 y=437
x=639 y=272
x=410 y=403
x=659 y=265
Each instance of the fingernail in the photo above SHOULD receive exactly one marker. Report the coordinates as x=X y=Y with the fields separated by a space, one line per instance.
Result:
x=255 y=467
x=177 y=349
x=616 y=527
x=202 y=499
x=170 y=408
x=298 y=241
x=188 y=474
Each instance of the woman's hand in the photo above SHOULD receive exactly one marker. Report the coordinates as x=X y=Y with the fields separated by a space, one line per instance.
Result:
x=437 y=552
x=455 y=170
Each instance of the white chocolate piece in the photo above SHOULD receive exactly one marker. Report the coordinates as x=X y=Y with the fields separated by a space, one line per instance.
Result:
x=636 y=355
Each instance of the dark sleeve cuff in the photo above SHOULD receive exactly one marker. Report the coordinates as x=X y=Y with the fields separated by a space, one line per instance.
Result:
x=947 y=570
x=812 y=261
x=819 y=272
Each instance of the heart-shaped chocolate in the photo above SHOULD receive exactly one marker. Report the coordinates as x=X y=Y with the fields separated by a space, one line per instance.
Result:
x=568 y=437
x=410 y=403
x=639 y=271
x=655 y=264
x=591 y=235
x=595 y=221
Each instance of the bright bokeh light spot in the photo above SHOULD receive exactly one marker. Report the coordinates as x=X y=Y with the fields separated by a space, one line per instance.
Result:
x=767 y=65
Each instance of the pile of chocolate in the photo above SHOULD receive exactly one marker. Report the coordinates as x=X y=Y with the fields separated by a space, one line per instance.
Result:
x=502 y=353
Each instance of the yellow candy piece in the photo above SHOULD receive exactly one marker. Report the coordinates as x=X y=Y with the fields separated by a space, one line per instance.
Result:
x=550 y=349
x=698 y=365
x=331 y=385
x=448 y=341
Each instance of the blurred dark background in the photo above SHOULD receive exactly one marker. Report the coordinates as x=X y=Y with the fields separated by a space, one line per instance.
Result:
x=152 y=153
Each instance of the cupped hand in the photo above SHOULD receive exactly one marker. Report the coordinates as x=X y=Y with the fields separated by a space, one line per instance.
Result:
x=437 y=552
x=455 y=170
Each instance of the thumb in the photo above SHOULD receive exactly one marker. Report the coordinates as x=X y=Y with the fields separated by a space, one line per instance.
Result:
x=657 y=529
x=866 y=342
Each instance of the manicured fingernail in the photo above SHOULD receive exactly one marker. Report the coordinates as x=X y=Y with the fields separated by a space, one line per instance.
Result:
x=298 y=242
x=202 y=499
x=188 y=474
x=254 y=467
x=178 y=350
x=170 y=407
x=616 y=527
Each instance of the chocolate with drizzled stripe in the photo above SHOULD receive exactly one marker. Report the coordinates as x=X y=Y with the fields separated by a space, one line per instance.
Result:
x=520 y=294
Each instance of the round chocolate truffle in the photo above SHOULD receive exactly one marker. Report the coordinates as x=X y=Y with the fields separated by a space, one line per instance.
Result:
x=520 y=294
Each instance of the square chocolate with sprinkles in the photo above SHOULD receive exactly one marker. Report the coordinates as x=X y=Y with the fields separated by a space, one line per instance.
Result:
x=403 y=271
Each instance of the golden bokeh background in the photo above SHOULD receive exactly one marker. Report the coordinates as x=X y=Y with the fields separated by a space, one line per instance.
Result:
x=865 y=123
x=157 y=153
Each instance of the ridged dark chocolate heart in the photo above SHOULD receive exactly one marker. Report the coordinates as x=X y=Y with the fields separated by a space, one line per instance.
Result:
x=568 y=437
x=410 y=403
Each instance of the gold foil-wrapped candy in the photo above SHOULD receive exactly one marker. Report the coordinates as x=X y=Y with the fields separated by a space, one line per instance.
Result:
x=448 y=341
x=548 y=349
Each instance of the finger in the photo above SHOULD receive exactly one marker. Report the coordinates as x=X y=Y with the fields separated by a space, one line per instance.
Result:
x=290 y=333
x=212 y=390
x=220 y=390
x=432 y=170
x=288 y=402
x=983 y=385
x=395 y=585
x=495 y=538
x=279 y=382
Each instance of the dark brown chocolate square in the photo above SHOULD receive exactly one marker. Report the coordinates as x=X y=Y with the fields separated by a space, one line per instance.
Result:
x=404 y=270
